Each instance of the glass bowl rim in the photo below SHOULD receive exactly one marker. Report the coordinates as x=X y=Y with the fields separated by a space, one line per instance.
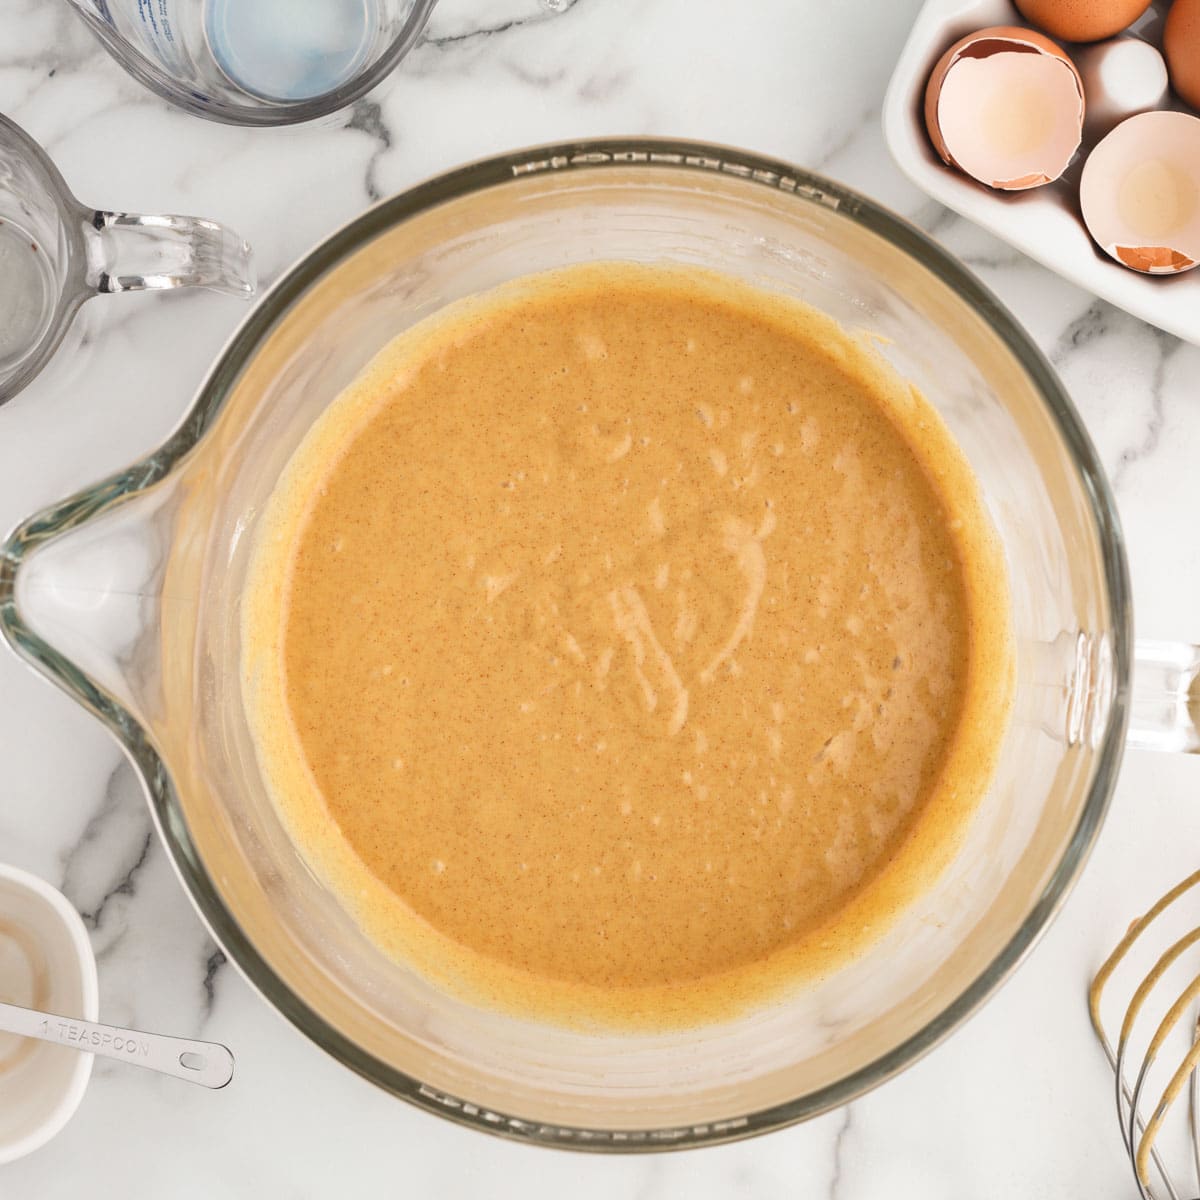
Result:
x=585 y=155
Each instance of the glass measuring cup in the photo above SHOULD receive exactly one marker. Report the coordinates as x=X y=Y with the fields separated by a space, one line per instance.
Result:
x=127 y=595
x=257 y=62
x=55 y=253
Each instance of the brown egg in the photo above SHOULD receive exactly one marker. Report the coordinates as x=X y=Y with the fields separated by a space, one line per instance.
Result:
x=1005 y=105
x=1081 y=20
x=1181 y=45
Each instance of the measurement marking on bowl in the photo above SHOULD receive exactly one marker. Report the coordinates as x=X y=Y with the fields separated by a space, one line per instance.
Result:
x=598 y=158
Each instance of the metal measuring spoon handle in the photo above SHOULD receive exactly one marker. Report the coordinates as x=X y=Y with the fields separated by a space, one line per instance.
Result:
x=207 y=1063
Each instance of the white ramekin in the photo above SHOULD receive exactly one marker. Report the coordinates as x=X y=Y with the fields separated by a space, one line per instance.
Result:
x=46 y=962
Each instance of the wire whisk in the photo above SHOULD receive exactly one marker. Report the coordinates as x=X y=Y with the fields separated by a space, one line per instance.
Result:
x=1176 y=1039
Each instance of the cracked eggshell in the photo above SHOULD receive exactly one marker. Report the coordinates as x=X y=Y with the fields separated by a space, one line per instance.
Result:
x=1140 y=193
x=1005 y=105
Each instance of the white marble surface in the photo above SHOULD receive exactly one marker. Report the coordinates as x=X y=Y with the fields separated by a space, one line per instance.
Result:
x=1018 y=1102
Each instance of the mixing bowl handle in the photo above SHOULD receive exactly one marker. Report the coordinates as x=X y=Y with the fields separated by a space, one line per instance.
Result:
x=1165 y=702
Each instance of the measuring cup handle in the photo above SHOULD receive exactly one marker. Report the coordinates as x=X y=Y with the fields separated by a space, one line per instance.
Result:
x=128 y=253
x=1165 y=709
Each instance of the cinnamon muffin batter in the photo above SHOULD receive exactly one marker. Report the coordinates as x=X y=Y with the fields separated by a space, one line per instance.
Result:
x=626 y=643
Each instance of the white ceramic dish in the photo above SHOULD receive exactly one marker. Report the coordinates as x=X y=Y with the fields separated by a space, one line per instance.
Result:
x=1043 y=222
x=46 y=962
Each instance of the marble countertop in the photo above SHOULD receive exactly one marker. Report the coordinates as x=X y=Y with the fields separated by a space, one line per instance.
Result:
x=1017 y=1103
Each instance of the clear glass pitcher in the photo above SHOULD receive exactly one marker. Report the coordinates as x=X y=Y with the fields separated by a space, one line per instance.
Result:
x=257 y=62
x=55 y=253
x=127 y=595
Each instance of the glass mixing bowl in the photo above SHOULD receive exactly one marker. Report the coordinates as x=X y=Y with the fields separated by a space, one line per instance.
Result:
x=127 y=595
